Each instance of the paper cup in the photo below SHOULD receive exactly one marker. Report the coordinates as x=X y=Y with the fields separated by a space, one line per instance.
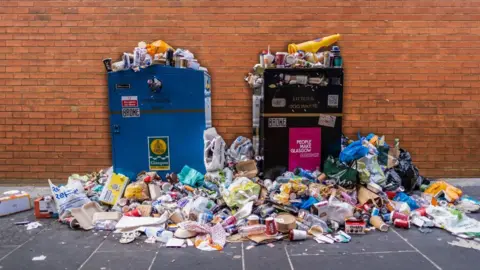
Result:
x=378 y=223
x=176 y=217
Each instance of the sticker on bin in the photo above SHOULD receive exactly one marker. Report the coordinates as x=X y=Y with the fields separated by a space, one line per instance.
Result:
x=279 y=102
x=327 y=120
x=332 y=101
x=130 y=112
x=129 y=101
x=277 y=122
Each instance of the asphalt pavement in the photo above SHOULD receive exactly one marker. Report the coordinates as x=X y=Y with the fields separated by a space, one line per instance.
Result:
x=68 y=249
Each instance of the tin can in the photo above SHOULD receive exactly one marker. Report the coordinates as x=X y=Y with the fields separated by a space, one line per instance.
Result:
x=386 y=217
x=107 y=62
x=397 y=215
x=375 y=211
x=231 y=229
x=169 y=58
x=297 y=235
x=367 y=207
x=400 y=223
x=231 y=220
x=271 y=228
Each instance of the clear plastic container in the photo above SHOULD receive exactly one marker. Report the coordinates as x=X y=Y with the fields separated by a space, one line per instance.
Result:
x=251 y=230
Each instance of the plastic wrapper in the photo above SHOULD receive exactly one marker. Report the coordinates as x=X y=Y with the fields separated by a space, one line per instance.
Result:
x=191 y=177
x=210 y=238
x=241 y=149
x=240 y=192
x=69 y=196
x=137 y=191
x=338 y=211
x=353 y=151
x=402 y=197
x=375 y=173
x=214 y=150
x=343 y=175
x=452 y=220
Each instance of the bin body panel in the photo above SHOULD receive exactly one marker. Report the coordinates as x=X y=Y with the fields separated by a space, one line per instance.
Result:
x=161 y=129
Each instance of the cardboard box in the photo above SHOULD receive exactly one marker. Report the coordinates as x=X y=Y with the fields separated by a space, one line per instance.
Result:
x=113 y=189
x=14 y=203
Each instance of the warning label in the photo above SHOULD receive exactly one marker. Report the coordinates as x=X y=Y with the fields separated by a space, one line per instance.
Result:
x=129 y=101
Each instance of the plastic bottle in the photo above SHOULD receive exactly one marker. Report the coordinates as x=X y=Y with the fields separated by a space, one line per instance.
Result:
x=311 y=220
x=105 y=225
x=251 y=230
x=313 y=45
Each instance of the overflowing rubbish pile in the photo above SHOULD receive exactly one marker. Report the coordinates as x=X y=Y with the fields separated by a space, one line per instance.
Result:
x=155 y=53
x=366 y=189
x=371 y=186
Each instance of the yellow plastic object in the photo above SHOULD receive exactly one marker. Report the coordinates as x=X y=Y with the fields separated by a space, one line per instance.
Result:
x=113 y=189
x=451 y=193
x=158 y=46
x=313 y=45
x=137 y=191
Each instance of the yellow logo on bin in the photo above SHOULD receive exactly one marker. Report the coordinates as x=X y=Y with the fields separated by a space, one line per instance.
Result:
x=158 y=146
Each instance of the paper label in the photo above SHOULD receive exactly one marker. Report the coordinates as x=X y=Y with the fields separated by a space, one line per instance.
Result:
x=332 y=101
x=277 y=122
x=159 y=153
x=327 y=120
x=130 y=112
x=304 y=148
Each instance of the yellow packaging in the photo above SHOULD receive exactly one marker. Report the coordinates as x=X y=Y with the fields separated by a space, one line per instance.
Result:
x=113 y=189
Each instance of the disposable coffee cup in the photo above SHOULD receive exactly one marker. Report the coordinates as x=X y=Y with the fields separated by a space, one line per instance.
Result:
x=107 y=62
x=378 y=223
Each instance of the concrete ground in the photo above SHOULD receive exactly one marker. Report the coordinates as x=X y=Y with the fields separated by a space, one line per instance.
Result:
x=68 y=249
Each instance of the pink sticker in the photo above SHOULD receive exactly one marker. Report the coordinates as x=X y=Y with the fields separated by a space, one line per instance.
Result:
x=304 y=148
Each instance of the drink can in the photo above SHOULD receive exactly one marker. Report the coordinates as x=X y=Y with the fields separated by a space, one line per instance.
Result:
x=107 y=62
x=231 y=220
x=375 y=211
x=422 y=211
x=271 y=228
x=231 y=229
x=367 y=207
x=397 y=215
x=280 y=59
x=400 y=223
x=169 y=58
x=297 y=235
x=386 y=217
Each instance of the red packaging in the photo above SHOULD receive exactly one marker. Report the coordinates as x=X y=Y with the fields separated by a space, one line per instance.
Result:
x=367 y=207
x=405 y=224
x=133 y=213
x=422 y=211
x=271 y=228
x=397 y=215
x=391 y=194
x=231 y=220
x=147 y=179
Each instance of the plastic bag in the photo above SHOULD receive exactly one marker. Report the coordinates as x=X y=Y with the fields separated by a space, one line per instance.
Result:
x=214 y=150
x=240 y=192
x=338 y=211
x=376 y=173
x=69 y=196
x=343 y=175
x=453 y=221
x=137 y=191
x=408 y=172
x=393 y=180
x=363 y=172
x=190 y=177
x=241 y=149
x=353 y=151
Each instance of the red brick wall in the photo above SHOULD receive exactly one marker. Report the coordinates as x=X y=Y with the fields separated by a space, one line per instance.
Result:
x=412 y=71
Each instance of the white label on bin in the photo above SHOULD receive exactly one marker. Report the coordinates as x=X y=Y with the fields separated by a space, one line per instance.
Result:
x=130 y=112
x=332 y=101
x=277 y=122
x=279 y=102
x=327 y=120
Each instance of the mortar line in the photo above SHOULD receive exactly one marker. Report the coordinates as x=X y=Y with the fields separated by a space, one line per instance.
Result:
x=288 y=257
x=425 y=256
x=91 y=255
x=30 y=239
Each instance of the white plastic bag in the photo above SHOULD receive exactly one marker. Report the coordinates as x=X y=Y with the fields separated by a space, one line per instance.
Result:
x=214 y=150
x=453 y=220
x=338 y=211
x=69 y=196
x=241 y=149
